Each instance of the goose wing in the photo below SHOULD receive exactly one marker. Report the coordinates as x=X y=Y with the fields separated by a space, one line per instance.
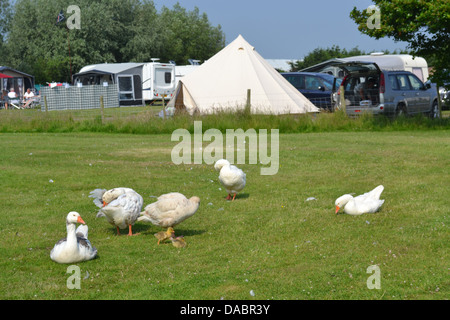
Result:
x=97 y=195
x=373 y=194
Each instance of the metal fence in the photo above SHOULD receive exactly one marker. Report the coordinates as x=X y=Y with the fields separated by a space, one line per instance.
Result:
x=79 y=98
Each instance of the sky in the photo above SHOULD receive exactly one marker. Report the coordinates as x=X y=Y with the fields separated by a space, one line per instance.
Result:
x=289 y=29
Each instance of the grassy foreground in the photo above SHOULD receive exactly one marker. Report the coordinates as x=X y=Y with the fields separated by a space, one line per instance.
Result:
x=270 y=240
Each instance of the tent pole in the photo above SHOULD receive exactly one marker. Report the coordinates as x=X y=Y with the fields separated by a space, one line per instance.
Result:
x=163 y=105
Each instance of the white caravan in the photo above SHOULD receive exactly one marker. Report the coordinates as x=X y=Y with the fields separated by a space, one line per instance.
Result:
x=158 y=81
x=181 y=71
x=136 y=82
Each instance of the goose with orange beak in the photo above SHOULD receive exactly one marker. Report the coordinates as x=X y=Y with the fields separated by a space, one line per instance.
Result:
x=368 y=202
x=120 y=206
x=76 y=247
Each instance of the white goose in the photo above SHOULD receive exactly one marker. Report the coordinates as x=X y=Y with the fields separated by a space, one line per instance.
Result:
x=76 y=247
x=231 y=177
x=170 y=209
x=120 y=206
x=368 y=202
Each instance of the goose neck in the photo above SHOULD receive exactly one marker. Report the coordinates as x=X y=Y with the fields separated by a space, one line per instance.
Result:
x=71 y=234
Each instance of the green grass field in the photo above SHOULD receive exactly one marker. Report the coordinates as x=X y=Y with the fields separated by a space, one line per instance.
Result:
x=269 y=240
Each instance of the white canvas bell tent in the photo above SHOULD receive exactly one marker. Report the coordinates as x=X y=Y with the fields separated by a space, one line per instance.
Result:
x=222 y=83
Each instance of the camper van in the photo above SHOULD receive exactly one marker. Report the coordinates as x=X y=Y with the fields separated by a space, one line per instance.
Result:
x=388 y=62
x=158 y=81
x=137 y=83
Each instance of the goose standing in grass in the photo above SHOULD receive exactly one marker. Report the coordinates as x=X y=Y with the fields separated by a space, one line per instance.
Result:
x=76 y=247
x=120 y=206
x=368 y=202
x=170 y=209
x=231 y=177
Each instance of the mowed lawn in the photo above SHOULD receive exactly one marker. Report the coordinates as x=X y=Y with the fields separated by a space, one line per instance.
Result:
x=270 y=240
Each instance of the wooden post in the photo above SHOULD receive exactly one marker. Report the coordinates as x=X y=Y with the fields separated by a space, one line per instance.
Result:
x=102 y=107
x=45 y=104
x=249 y=101
x=164 y=107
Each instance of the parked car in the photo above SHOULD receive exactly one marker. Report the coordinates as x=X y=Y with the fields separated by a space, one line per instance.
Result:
x=367 y=88
x=317 y=87
x=445 y=97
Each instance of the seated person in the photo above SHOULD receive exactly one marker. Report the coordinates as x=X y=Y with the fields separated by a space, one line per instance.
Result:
x=12 y=94
x=29 y=95
x=364 y=89
x=5 y=99
x=13 y=98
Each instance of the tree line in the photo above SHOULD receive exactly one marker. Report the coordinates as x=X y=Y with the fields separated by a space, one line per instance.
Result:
x=111 y=31
x=424 y=25
x=134 y=31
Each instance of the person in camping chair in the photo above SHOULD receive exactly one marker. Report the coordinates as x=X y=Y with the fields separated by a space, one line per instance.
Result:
x=29 y=95
x=364 y=89
x=13 y=98
x=5 y=99
x=12 y=94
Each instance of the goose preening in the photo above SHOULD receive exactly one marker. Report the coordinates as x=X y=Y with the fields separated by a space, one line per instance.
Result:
x=76 y=247
x=120 y=206
x=368 y=202
x=170 y=209
x=231 y=177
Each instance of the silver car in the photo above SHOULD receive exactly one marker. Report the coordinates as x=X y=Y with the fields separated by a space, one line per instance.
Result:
x=368 y=89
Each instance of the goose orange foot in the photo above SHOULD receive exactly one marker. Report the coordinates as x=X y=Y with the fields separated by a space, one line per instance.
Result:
x=130 y=232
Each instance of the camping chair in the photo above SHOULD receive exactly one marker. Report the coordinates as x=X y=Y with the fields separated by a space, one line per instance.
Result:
x=15 y=102
x=30 y=103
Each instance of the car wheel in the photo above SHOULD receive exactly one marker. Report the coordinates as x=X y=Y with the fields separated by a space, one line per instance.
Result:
x=401 y=111
x=434 y=113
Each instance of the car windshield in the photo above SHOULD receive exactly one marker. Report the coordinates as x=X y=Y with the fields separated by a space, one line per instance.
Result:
x=329 y=80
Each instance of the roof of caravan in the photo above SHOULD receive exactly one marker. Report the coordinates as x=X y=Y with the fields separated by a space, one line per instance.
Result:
x=4 y=68
x=391 y=61
x=385 y=62
x=110 y=68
